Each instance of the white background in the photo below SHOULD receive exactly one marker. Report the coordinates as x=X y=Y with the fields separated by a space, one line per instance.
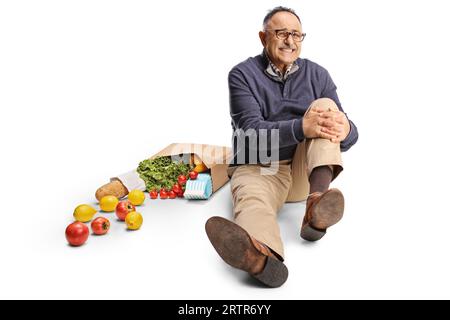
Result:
x=90 y=88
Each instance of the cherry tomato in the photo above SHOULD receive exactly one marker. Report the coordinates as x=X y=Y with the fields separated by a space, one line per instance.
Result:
x=172 y=194
x=77 y=234
x=193 y=175
x=100 y=226
x=153 y=194
x=182 y=180
x=177 y=188
x=163 y=193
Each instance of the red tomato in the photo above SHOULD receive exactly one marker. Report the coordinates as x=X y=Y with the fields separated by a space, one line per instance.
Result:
x=181 y=194
x=153 y=194
x=182 y=180
x=123 y=208
x=177 y=188
x=100 y=226
x=172 y=194
x=77 y=234
x=163 y=193
x=193 y=175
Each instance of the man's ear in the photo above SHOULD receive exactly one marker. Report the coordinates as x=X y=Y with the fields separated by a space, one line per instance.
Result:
x=262 y=37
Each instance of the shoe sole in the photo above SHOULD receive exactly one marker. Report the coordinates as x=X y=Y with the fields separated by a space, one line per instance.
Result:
x=326 y=213
x=234 y=246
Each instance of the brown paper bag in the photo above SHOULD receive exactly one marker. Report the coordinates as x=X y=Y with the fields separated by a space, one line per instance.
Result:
x=216 y=158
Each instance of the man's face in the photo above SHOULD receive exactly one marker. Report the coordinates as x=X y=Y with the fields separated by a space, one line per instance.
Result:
x=281 y=52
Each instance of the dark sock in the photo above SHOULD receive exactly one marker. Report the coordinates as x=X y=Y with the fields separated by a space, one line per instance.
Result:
x=320 y=179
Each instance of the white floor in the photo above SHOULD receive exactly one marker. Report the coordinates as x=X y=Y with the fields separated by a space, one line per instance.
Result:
x=381 y=249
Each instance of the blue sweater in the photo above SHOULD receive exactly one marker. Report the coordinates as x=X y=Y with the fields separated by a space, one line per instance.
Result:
x=259 y=101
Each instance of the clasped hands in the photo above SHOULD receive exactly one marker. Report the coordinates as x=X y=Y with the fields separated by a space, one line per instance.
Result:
x=326 y=123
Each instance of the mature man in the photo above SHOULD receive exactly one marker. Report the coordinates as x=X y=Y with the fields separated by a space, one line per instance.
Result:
x=296 y=98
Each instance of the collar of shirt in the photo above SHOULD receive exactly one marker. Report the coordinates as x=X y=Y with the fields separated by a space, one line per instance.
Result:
x=274 y=72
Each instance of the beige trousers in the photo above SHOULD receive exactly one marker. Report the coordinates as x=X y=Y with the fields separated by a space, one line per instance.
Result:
x=258 y=198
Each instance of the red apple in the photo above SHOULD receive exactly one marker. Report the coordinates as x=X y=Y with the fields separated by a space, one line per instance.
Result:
x=77 y=234
x=123 y=208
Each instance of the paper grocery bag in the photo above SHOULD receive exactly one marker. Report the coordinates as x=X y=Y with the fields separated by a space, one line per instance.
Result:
x=216 y=158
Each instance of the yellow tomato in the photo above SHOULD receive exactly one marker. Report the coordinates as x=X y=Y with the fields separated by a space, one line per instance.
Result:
x=108 y=203
x=200 y=168
x=136 y=197
x=134 y=220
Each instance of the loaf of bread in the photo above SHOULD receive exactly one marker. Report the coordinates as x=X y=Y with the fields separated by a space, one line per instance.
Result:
x=114 y=188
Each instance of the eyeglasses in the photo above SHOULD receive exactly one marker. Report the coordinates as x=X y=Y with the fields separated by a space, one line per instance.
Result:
x=284 y=34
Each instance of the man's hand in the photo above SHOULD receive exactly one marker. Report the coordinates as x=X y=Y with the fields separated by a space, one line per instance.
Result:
x=326 y=124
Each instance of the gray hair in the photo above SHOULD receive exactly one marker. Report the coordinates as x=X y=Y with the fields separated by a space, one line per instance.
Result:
x=275 y=11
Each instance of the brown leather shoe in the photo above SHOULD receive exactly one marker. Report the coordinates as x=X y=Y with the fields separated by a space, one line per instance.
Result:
x=322 y=211
x=237 y=248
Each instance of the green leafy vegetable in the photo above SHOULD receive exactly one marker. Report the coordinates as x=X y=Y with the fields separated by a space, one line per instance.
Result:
x=161 y=172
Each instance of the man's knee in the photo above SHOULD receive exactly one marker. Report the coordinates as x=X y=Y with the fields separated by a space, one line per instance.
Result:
x=326 y=104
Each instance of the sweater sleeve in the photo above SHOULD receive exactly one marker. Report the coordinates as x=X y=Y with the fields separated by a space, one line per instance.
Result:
x=246 y=113
x=329 y=91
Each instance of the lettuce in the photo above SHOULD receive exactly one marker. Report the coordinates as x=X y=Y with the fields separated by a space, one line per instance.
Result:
x=161 y=172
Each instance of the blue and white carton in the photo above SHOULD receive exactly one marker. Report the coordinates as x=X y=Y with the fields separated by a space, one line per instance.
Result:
x=200 y=188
